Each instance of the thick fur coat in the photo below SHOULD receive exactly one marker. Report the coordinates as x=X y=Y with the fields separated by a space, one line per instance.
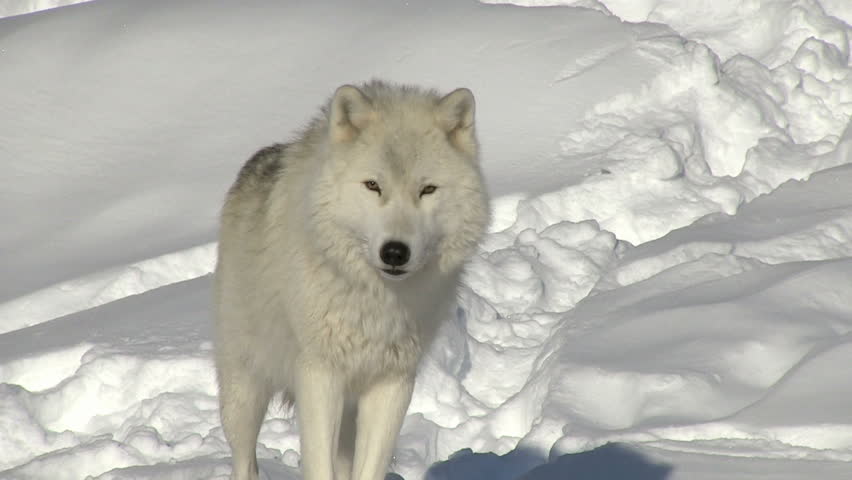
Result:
x=339 y=255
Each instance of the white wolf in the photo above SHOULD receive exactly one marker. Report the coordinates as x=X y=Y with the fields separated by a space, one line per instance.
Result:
x=339 y=254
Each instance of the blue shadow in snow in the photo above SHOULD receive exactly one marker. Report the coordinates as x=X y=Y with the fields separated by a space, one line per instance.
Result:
x=612 y=461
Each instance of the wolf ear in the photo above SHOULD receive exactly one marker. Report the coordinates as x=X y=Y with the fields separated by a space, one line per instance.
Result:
x=455 y=115
x=351 y=112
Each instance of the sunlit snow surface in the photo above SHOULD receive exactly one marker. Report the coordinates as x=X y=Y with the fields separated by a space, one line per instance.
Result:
x=653 y=300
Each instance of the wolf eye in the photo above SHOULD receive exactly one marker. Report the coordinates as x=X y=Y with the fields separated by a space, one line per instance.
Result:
x=373 y=185
x=428 y=189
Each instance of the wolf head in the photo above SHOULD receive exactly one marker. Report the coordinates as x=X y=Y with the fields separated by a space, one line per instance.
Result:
x=401 y=185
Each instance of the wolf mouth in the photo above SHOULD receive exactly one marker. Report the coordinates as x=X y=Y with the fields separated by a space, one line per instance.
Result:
x=394 y=271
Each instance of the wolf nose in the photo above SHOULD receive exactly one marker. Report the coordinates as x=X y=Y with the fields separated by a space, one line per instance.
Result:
x=395 y=253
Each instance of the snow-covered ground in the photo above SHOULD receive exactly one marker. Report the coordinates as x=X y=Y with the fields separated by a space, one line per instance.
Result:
x=666 y=291
x=9 y=8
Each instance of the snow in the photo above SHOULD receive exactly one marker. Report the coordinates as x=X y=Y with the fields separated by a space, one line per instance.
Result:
x=664 y=292
x=20 y=7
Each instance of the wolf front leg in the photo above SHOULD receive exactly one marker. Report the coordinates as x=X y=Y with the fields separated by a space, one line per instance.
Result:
x=242 y=405
x=381 y=410
x=319 y=407
x=346 y=446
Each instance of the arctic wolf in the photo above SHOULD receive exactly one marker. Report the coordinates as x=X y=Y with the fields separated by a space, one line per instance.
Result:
x=339 y=254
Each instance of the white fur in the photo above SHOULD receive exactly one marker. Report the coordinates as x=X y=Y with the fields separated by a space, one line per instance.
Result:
x=305 y=306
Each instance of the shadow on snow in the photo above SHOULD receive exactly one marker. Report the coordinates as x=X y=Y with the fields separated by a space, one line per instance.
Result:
x=612 y=461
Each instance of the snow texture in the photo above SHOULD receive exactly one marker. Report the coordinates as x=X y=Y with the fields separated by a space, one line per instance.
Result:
x=665 y=291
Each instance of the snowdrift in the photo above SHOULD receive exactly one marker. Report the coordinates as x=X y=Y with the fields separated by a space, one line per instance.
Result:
x=664 y=292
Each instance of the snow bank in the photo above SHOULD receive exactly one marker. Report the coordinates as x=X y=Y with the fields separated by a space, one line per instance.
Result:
x=104 y=287
x=706 y=135
x=769 y=31
x=173 y=97
x=649 y=278
x=20 y=7
x=680 y=346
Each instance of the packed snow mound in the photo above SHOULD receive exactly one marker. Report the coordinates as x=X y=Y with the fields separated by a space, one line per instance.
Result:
x=103 y=287
x=769 y=31
x=684 y=340
x=663 y=293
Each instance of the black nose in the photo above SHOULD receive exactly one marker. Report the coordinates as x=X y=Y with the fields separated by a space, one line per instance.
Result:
x=395 y=253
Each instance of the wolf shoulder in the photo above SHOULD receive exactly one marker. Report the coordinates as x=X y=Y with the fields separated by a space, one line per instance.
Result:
x=262 y=169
